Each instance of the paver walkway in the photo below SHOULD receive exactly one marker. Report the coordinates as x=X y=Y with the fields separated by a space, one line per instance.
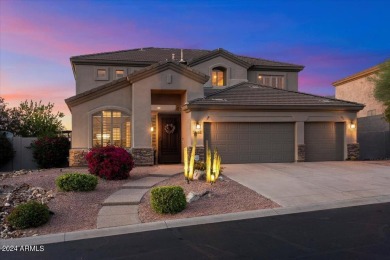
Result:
x=121 y=208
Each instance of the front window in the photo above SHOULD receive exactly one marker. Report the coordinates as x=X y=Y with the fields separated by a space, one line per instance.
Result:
x=111 y=127
x=275 y=81
x=218 y=77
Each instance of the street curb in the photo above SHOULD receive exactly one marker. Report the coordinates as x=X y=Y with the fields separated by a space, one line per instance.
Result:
x=168 y=224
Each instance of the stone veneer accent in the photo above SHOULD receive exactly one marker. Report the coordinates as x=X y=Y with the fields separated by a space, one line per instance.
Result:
x=77 y=157
x=142 y=156
x=353 y=151
x=301 y=153
x=199 y=151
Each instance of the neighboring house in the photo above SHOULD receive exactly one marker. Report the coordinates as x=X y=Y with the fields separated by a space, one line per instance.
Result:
x=358 y=88
x=373 y=132
x=152 y=100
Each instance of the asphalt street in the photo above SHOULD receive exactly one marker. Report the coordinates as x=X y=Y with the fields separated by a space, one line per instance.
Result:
x=361 y=232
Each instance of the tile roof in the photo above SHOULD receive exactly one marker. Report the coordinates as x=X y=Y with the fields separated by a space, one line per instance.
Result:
x=248 y=94
x=134 y=77
x=153 y=55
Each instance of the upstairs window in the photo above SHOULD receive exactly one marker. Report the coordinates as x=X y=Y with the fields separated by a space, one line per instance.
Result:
x=275 y=81
x=101 y=73
x=218 y=77
x=119 y=74
x=111 y=127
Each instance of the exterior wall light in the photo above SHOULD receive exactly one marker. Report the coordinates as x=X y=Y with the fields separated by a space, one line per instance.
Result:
x=198 y=128
x=352 y=125
x=151 y=129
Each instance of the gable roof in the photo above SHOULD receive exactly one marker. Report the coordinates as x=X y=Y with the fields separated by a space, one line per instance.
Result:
x=150 y=55
x=134 y=77
x=254 y=96
x=361 y=74
x=220 y=52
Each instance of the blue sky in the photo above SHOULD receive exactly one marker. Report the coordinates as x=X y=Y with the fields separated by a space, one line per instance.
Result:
x=332 y=39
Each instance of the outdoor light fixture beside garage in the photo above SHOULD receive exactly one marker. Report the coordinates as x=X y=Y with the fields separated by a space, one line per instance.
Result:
x=352 y=125
x=198 y=127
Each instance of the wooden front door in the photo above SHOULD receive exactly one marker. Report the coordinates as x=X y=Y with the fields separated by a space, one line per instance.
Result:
x=169 y=150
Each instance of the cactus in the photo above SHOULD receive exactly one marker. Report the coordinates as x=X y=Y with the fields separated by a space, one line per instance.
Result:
x=208 y=163
x=192 y=160
x=186 y=163
x=217 y=166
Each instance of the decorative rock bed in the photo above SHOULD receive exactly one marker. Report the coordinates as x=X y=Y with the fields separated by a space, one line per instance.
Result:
x=12 y=196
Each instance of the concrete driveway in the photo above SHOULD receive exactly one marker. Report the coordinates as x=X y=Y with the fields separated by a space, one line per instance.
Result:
x=308 y=183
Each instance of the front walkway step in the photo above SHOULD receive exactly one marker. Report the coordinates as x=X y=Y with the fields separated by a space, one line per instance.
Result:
x=115 y=216
x=118 y=210
x=125 y=197
x=144 y=183
x=167 y=170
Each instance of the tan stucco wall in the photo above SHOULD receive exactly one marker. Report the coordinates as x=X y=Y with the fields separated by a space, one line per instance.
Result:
x=299 y=117
x=235 y=73
x=86 y=80
x=361 y=91
x=82 y=114
x=290 y=78
x=141 y=103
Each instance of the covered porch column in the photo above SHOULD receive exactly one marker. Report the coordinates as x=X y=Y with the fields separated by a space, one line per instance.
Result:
x=142 y=149
x=300 y=141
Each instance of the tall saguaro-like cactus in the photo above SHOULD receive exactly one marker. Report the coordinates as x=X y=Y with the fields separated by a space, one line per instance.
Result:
x=186 y=163
x=208 y=164
x=189 y=162
x=192 y=159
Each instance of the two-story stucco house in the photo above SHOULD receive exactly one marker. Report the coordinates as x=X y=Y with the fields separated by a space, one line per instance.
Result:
x=152 y=100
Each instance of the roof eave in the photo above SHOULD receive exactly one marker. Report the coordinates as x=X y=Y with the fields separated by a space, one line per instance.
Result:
x=359 y=75
x=103 y=62
x=192 y=107
x=220 y=52
x=277 y=68
x=188 y=72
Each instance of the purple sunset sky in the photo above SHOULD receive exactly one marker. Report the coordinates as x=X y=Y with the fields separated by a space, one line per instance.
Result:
x=332 y=39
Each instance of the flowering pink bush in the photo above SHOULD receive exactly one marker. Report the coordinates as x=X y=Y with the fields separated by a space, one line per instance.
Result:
x=110 y=162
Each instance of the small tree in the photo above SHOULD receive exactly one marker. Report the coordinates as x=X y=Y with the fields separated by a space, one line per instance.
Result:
x=382 y=87
x=30 y=119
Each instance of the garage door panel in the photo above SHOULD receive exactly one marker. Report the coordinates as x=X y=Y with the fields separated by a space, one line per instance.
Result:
x=252 y=142
x=324 y=141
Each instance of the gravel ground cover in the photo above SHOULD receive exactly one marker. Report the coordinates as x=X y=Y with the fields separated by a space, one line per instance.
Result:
x=225 y=196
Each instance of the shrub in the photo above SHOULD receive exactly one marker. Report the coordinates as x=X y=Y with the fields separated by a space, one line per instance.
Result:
x=6 y=150
x=30 y=214
x=51 y=152
x=76 y=182
x=110 y=162
x=200 y=165
x=168 y=199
